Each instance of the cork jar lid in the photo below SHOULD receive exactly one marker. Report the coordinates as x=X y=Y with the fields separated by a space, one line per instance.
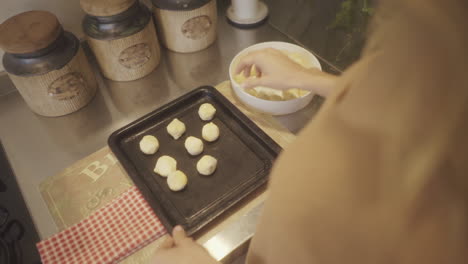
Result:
x=29 y=32
x=105 y=7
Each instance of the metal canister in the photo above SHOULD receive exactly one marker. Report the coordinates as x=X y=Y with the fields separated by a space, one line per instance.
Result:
x=186 y=25
x=122 y=35
x=46 y=64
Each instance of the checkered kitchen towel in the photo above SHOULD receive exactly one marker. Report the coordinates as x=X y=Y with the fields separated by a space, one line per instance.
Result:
x=112 y=233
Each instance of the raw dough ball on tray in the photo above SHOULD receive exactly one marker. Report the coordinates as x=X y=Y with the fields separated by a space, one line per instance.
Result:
x=210 y=132
x=206 y=112
x=149 y=145
x=165 y=166
x=176 y=128
x=177 y=181
x=194 y=146
x=207 y=165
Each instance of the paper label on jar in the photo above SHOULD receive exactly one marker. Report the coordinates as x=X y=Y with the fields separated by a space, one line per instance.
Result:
x=135 y=56
x=67 y=86
x=197 y=27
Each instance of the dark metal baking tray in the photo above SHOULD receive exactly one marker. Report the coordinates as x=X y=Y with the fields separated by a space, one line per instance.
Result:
x=245 y=156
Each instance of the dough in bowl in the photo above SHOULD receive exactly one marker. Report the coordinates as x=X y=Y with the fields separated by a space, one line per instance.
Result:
x=149 y=145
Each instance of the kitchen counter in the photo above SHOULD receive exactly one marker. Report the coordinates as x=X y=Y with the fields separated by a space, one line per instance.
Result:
x=39 y=147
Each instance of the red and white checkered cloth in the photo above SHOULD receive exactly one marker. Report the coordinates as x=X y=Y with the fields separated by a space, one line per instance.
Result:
x=112 y=233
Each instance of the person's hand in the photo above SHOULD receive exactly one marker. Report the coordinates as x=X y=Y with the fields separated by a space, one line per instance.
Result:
x=181 y=249
x=278 y=71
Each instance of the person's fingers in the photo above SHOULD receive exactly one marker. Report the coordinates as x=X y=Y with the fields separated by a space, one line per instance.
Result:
x=179 y=235
x=259 y=72
x=246 y=71
x=246 y=62
x=167 y=243
x=244 y=65
x=253 y=82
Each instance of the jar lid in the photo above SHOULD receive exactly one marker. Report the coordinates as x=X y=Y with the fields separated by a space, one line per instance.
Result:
x=180 y=5
x=29 y=32
x=105 y=7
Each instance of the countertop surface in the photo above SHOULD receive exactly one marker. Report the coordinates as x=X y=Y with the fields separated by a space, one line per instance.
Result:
x=39 y=147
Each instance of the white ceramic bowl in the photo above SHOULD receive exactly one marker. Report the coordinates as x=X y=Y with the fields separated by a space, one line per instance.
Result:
x=267 y=106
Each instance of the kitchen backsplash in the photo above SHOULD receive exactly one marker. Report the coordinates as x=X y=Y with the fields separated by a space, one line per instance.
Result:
x=333 y=29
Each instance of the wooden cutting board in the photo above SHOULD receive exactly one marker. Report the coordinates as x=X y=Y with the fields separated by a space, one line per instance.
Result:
x=94 y=181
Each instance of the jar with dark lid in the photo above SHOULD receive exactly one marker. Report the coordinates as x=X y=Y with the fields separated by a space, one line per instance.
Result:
x=122 y=35
x=186 y=25
x=46 y=64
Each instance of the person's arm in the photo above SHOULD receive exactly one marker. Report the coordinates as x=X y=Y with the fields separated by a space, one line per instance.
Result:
x=380 y=174
x=278 y=71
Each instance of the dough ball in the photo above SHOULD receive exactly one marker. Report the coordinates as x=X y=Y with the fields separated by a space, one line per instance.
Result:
x=194 y=146
x=206 y=112
x=165 y=166
x=176 y=128
x=177 y=181
x=207 y=165
x=210 y=132
x=149 y=145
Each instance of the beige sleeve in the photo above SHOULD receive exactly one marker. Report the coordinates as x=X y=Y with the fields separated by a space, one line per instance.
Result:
x=381 y=174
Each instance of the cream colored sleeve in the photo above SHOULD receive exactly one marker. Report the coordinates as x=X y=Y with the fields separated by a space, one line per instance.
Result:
x=380 y=175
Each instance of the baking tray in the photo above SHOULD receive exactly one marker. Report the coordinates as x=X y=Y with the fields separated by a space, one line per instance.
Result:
x=245 y=156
